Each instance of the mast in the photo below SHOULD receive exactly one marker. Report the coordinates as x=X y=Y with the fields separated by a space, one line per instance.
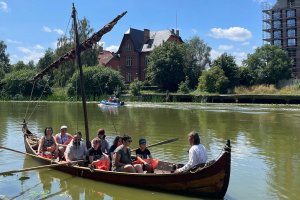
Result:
x=82 y=89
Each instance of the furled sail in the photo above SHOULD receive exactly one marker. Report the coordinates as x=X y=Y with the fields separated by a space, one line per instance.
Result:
x=87 y=44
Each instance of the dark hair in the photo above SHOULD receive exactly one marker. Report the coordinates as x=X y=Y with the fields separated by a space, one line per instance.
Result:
x=126 y=137
x=78 y=133
x=116 y=140
x=101 y=131
x=195 y=136
x=45 y=132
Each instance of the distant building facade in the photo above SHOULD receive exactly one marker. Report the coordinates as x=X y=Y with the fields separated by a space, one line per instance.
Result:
x=281 y=26
x=107 y=58
x=136 y=45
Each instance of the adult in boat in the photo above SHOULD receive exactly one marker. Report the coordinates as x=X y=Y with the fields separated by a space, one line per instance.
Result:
x=121 y=161
x=144 y=157
x=62 y=139
x=47 y=145
x=197 y=153
x=104 y=143
x=117 y=142
x=76 y=150
x=97 y=158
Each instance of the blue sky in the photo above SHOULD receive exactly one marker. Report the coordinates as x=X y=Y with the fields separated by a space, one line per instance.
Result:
x=30 y=27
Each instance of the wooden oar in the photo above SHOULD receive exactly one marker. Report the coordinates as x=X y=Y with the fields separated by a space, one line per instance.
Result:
x=31 y=168
x=159 y=143
x=19 y=152
x=39 y=167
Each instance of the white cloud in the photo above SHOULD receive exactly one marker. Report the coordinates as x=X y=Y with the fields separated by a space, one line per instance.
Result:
x=245 y=43
x=225 y=47
x=59 y=31
x=13 y=41
x=56 y=30
x=239 y=57
x=215 y=54
x=112 y=48
x=31 y=53
x=40 y=47
x=3 y=6
x=194 y=31
x=238 y=34
x=46 y=29
x=254 y=47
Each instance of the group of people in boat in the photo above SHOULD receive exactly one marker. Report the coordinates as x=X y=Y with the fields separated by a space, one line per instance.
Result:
x=116 y=157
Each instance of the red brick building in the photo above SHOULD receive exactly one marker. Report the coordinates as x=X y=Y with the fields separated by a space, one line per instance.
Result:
x=135 y=46
x=107 y=58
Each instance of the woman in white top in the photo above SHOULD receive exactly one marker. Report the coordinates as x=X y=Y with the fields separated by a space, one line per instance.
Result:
x=197 y=153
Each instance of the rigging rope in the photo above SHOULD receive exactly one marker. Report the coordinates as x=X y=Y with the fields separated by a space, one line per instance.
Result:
x=29 y=99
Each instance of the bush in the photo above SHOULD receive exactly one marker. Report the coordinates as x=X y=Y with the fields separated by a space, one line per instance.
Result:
x=135 y=87
x=213 y=81
x=256 y=89
x=184 y=87
x=98 y=80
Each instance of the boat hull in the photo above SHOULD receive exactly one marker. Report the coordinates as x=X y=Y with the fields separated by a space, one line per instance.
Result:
x=211 y=181
x=107 y=103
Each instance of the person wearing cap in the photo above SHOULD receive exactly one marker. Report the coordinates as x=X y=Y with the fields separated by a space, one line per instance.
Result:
x=104 y=143
x=197 y=153
x=62 y=139
x=76 y=150
x=143 y=156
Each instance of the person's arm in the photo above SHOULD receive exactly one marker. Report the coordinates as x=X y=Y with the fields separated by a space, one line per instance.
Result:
x=68 y=153
x=188 y=165
x=106 y=146
x=41 y=143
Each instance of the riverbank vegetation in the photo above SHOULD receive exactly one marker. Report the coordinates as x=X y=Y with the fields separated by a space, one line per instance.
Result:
x=172 y=69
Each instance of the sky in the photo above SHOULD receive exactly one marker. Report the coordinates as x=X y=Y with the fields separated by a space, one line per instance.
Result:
x=30 y=27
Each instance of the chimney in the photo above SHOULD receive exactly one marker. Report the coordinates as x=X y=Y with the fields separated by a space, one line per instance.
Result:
x=146 y=35
x=172 y=31
x=177 y=33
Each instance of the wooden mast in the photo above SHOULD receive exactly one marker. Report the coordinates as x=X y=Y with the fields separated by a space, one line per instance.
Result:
x=82 y=89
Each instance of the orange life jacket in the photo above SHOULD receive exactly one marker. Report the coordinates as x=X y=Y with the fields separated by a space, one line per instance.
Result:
x=102 y=164
x=154 y=162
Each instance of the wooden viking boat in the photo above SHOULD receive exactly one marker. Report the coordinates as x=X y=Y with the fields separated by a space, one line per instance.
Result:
x=211 y=180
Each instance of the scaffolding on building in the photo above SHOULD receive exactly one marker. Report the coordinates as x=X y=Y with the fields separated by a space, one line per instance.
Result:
x=267 y=22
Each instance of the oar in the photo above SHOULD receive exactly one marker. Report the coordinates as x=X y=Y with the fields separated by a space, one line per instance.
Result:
x=19 y=152
x=38 y=167
x=31 y=168
x=159 y=143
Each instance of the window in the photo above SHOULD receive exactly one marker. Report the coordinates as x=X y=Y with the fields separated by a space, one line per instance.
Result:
x=129 y=61
x=290 y=13
x=277 y=34
x=291 y=42
x=128 y=47
x=291 y=33
x=146 y=61
x=291 y=3
x=128 y=77
x=276 y=15
x=277 y=42
x=277 y=24
x=291 y=23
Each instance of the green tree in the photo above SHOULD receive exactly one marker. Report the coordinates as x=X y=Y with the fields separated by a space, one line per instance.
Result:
x=46 y=60
x=98 y=80
x=19 y=83
x=213 y=81
x=65 y=44
x=197 y=58
x=247 y=76
x=166 y=64
x=227 y=64
x=20 y=65
x=4 y=58
x=270 y=64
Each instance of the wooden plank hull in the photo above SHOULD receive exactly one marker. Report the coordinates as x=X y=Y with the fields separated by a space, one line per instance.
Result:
x=211 y=181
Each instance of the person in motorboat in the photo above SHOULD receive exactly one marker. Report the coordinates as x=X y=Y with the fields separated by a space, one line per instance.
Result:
x=117 y=142
x=197 y=153
x=62 y=139
x=121 y=161
x=98 y=159
x=76 y=150
x=47 y=144
x=104 y=142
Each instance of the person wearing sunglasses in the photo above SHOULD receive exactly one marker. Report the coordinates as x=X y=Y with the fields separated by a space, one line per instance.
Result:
x=121 y=161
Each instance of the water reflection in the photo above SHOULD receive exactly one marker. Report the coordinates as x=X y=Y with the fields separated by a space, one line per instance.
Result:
x=265 y=140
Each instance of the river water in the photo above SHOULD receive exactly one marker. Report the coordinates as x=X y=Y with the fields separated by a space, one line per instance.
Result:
x=265 y=146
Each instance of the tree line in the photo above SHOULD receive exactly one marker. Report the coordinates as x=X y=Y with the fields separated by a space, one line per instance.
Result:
x=172 y=67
